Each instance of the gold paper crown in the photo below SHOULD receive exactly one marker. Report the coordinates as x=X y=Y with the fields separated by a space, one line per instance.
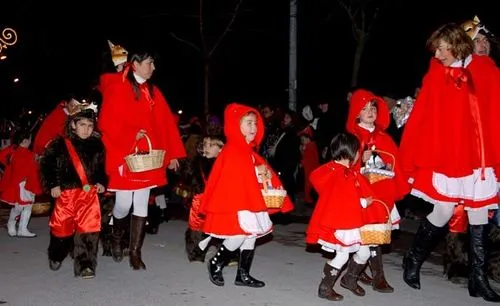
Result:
x=472 y=27
x=76 y=107
x=118 y=53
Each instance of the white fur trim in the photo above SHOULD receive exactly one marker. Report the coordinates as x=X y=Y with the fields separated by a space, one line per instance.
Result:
x=469 y=187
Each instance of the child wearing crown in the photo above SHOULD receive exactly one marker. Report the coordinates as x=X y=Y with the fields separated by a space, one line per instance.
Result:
x=232 y=202
x=344 y=206
x=19 y=165
x=72 y=169
x=368 y=119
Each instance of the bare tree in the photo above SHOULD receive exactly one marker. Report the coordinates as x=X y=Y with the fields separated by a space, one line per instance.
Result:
x=206 y=49
x=363 y=14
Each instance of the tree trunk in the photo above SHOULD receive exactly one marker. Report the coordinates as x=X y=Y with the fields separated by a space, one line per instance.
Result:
x=357 y=61
x=206 y=84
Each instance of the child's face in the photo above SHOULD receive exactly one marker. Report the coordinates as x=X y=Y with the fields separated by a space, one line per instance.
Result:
x=368 y=114
x=83 y=128
x=210 y=149
x=248 y=127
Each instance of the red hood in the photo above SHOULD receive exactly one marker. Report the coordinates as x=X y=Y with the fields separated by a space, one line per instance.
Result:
x=359 y=99
x=232 y=117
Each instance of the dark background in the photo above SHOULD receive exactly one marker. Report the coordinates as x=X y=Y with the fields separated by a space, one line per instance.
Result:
x=61 y=46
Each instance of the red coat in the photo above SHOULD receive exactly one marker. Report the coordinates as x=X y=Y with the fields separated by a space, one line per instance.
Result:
x=340 y=190
x=22 y=166
x=453 y=123
x=51 y=127
x=232 y=185
x=121 y=118
x=310 y=161
x=389 y=190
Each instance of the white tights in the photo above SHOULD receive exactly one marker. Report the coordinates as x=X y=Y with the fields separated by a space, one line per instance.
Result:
x=125 y=199
x=240 y=241
x=441 y=215
x=341 y=257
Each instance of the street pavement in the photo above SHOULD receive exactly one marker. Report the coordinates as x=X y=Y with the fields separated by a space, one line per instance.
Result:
x=291 y=273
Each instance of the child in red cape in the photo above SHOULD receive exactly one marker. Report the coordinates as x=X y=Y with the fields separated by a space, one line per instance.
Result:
x=232 y=202
x=344 y=206
x=20 y=165
x=368 y=119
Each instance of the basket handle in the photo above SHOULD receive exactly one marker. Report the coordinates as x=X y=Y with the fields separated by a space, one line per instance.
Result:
x=149 y=144
x=387 y=153
x=386 y=209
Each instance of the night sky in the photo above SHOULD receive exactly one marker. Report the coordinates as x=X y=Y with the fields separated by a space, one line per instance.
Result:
x=60 y=48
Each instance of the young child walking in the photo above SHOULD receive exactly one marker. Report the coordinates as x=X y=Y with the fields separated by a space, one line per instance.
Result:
x=232 y=203
x=20 y=164
x=340 y=212
x=368 y=119
x=72 y=169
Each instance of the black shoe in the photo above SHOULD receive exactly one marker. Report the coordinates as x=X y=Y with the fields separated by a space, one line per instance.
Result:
x=216 y=264
x=243 y=277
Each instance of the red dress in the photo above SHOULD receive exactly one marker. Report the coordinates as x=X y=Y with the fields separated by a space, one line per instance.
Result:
x=121 y=118
x=338 y=214
x=22 y=165
x=389 y=190
x=51 y=127
x=232 y=195
x=449 y=146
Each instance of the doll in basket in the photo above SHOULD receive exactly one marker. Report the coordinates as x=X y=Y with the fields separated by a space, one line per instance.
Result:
x=346 y=204
x=368 y=119
x=232 y=202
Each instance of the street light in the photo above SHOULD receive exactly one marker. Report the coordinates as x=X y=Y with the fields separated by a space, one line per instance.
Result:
x=16 y=80
x=180 y=112
x=3 y=57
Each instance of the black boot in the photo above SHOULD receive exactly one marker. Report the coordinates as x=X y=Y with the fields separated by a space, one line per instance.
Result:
x=364 y=278
x=58 y=250
x=119 y=226
x=85 y=252
x=243 y=277
x=379 y=283
x=217 y=263
x=425 y=241
x=325 y=290
x=478 y=280
x=137 y=232
x=350 y=278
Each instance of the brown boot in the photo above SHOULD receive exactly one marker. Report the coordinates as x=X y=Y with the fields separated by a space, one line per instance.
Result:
x=350 y=279
x=364 y=278
x=137 y=232
x=325 y=290
x=376 y=263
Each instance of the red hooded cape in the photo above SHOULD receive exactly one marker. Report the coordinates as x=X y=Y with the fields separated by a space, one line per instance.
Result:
x=21 y=167
x=338 y=208
x=389 y=190
x=121 y=118
x=232 y=185
x=52 y=126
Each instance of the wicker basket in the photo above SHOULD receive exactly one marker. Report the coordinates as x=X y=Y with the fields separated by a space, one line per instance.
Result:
x=145 y=162
x=40 y=208
x=377 y=234
x=376 y=175
x=274 y=198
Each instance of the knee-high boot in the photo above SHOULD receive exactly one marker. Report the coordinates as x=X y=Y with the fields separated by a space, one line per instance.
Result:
x=325 y=290
x=23 y=231
x=350 y=279
x=58 y=250
x=478 y=280
x=119 y=226
x=217 y=263
x=85 y=254
x=425 y=241
x=137 y=233
x=243 y=277
x=379 y=283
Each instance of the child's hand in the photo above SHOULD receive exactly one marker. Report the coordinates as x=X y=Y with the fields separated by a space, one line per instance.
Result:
x=55 y=192
x=100 y=188
x=369 y=201
x=264 y=172
x=174 y=165
x=140 y=134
